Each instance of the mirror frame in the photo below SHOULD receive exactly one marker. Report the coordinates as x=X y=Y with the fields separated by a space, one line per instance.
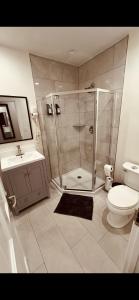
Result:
x=7 y=108
x=22 y=97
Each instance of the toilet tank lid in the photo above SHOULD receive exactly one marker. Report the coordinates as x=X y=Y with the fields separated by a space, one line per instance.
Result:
x=131 y=167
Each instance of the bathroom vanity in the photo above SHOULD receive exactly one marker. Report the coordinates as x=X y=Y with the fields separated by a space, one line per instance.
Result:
x=25 y=179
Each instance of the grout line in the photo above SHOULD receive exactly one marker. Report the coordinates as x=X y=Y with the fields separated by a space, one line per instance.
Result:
x=38 y=244
x=64 y=240
x=88 y=233
x=71 y=247
x=39 y=267
x=108 y=253
x=101 y=74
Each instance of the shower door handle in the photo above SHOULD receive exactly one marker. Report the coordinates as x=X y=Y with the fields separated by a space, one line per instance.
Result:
x=91 y=129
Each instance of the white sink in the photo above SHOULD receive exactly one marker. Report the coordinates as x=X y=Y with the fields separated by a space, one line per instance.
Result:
x=14 y=161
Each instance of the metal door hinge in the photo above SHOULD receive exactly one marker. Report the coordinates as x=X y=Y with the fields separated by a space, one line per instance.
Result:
x=91 y=129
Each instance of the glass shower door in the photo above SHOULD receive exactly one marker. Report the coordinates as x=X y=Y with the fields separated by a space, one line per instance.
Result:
x=52 y=143
x=75 y=130
x=104 y=124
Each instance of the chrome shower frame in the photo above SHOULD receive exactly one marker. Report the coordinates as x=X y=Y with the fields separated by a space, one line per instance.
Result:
x=96 y=92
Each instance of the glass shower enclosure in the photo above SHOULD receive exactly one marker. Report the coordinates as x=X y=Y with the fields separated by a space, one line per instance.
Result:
x=78 y=126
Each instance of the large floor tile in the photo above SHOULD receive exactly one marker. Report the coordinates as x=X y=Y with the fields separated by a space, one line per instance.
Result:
x=137 y=267
x=95 y=226
x=52 y=203
x=100 y=202
x=115 y=246
x=41 y=269
x=41 y=220
x=30 y=245
x=57 y=254
x=70 y=227
x=92 y=258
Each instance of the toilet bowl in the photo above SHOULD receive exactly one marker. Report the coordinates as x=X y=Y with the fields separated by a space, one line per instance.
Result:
x=122 y=202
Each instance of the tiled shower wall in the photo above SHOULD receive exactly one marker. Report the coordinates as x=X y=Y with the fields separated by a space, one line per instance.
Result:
x=86 y=113
x=53 y=77
x=106 y=71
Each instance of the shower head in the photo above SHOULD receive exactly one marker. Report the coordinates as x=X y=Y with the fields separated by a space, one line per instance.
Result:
x=92 y=86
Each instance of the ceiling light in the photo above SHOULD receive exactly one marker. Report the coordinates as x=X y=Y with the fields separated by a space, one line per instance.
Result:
x=36 y=83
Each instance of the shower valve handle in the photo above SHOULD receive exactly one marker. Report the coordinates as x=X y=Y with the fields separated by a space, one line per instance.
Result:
x=91 y=129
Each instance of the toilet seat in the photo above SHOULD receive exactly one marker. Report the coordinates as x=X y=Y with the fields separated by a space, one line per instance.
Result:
x=123 y=197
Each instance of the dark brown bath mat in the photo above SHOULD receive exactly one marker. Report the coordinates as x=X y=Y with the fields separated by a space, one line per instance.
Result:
x=75 y=205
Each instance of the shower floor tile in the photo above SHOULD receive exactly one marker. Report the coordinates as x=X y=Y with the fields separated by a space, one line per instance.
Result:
x=71 y=180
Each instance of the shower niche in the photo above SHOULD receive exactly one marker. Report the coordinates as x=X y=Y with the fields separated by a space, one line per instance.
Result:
x=79 y=137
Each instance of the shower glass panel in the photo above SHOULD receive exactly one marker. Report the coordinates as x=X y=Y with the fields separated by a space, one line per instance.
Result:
x=104 y=121
x=79 y=134
x=51 y=133
x=74 y=119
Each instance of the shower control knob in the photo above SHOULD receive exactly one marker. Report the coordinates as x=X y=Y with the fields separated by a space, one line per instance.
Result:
x=91 y=129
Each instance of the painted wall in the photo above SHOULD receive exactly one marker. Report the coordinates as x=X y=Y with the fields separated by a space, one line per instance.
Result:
x=128 y=140
x=16 y=80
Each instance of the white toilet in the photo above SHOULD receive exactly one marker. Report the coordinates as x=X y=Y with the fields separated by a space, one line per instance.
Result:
x=122 y=200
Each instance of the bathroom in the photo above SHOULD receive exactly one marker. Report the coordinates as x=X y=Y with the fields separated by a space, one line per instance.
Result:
x=79 y=113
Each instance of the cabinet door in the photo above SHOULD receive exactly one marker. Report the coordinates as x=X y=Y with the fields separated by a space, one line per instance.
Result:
x=37 y=180
x=19 y=181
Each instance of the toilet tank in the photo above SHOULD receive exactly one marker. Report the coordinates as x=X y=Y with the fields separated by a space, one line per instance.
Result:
x=131 y=175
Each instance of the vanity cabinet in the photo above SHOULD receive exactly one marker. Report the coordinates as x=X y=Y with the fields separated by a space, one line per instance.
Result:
x=28 y=183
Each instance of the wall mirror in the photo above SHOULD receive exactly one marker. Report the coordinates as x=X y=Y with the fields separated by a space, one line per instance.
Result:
x=15 y=124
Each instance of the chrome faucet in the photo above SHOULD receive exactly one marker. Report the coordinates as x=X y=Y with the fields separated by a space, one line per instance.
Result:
x=19 y=151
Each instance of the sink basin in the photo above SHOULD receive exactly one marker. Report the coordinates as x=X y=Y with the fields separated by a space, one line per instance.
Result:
x=18 y=159
x=14 y=161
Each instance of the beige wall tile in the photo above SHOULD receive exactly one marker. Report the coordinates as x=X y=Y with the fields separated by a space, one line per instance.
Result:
x=104 y=134
x=72 y=165
x=69 y=74
x=44 y=88
x=104 y=118
x=55 y=70
x=116 y=118
x=61 y=86
x=40 y=66
x=118 y=77
x=102 y=63
x=120 y=50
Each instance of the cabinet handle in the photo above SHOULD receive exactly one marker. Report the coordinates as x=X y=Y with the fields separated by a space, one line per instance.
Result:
x=14 y=200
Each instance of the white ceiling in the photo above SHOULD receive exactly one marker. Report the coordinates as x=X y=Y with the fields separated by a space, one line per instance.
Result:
x=56 y=42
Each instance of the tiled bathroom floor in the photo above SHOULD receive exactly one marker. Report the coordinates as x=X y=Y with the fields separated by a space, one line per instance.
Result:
x=71 y=180
x=56 y=243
